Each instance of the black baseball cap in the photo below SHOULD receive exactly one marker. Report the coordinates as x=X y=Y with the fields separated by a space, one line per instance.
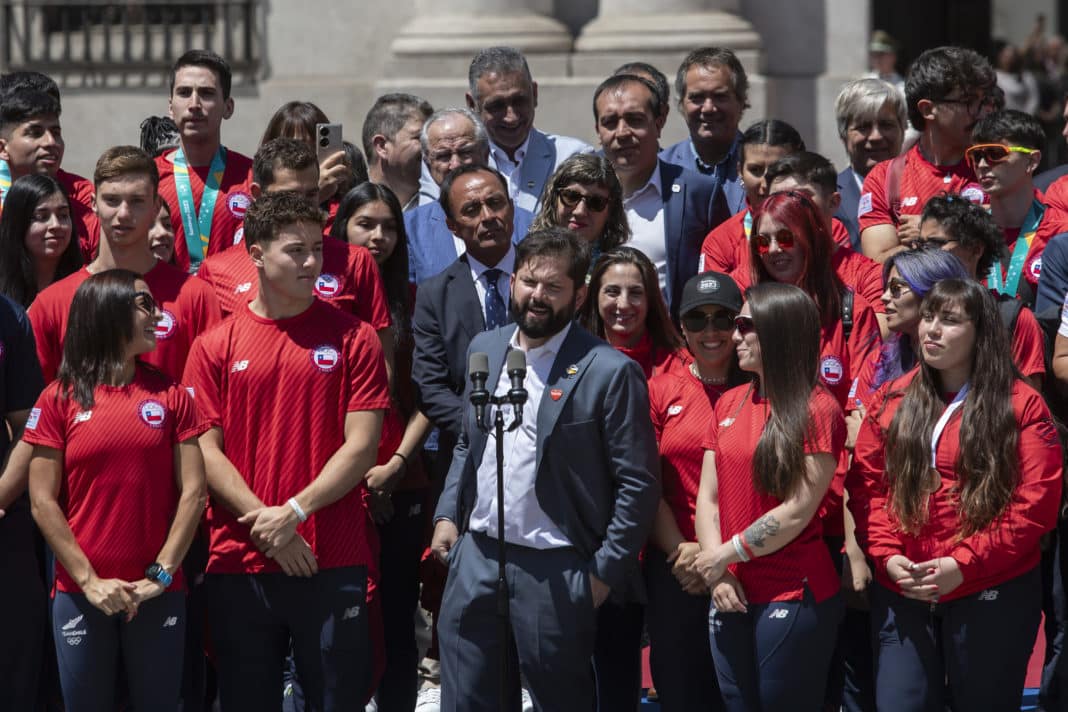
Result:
x=711 y=288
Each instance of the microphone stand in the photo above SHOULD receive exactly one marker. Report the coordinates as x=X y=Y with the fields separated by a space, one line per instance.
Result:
x=517 y=397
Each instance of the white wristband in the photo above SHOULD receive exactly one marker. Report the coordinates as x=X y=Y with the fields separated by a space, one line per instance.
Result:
x=739 y=549
x=296 y=508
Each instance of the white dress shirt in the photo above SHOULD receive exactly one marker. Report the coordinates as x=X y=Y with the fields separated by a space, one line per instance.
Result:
x=506 y=266
x=525 y=522
x=509 y=168
x=645 y=213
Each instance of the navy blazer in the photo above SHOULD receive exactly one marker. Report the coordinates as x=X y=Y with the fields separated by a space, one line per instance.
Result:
x=430 y=242
x=682 y=154
x=847 y=210
x=448 y=314
x=692 y=207
x=598 y=471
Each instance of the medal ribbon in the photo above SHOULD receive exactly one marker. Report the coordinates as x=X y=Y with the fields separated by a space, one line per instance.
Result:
x=5 y=180
x=1019 y=254
x=197 y=226
x=936 y=434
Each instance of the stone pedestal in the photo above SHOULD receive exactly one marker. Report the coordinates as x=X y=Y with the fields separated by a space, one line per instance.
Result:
x=441 y=38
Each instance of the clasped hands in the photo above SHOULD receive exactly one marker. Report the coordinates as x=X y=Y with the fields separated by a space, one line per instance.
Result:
x=710 y=566
x=274 y=532
x=924 y=580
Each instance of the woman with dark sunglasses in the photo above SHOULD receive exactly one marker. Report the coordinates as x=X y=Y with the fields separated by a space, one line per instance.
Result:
x=770 y=454
x=908 y=277
x=117 y=489
x=681 y=407
x=585 y=196
x=956 y=477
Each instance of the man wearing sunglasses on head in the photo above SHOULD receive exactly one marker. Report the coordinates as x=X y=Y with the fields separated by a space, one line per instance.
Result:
x=1005 y=157
x=947 y=91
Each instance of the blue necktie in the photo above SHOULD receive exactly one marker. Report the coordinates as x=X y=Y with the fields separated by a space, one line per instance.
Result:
x=496 y=312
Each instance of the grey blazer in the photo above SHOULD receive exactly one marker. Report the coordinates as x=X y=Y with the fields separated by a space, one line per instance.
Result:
x=598 y=471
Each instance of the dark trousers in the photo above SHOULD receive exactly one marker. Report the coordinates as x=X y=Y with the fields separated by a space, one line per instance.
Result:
x=195 y=668
x=1053 y=693
x=617 y=655
x=254 y=618
x=776 y=655
x=552 y=621
x=980 y=643
x=90 y=643
x=23 y=612
x=680 y=657
x=402 y=539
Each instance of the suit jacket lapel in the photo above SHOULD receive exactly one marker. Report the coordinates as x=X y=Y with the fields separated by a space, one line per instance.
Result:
x=441 y=247
x=674 y=196
x=538 y=163
x=573 y=356
x=497 y=351
x=471 y=316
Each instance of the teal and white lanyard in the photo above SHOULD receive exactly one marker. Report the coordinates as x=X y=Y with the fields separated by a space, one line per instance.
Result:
x=1019 y=254
x=197 y=227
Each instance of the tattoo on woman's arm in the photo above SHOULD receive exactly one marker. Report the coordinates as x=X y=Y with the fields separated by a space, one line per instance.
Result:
x=761 y=529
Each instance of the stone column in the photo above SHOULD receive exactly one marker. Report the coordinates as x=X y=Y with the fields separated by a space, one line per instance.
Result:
x=680 y=25
x=431 y=54
x=443 y=33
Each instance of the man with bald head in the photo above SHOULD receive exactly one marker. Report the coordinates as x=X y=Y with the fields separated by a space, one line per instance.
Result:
x=451 y=138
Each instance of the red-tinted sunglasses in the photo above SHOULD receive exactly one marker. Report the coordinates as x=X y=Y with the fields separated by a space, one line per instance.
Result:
x=783 y=238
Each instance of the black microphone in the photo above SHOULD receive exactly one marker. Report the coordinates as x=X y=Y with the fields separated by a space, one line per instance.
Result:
x=478 y=371
x=516 y=363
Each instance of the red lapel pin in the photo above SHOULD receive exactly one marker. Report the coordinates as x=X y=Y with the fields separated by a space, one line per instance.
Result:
x=556 y=394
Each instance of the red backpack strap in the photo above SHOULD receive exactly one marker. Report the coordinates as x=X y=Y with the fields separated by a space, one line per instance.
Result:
x=893 y=187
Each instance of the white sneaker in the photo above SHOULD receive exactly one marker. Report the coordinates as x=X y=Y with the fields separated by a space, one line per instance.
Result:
x=528 y=704
x=429 y=700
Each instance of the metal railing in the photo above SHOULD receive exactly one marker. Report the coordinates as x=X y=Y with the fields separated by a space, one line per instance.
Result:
x=107 y=39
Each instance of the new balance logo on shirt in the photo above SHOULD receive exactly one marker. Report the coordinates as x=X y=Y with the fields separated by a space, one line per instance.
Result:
x=242 y=288
x=990 y=594
x=83 y=416
x=170 y=622
x=779 y=614
x=239 y=366
x=350 y=613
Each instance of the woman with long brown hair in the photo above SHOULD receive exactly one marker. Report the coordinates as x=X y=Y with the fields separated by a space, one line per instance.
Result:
x=956 y=476
x=626 y=308
x=770 y=453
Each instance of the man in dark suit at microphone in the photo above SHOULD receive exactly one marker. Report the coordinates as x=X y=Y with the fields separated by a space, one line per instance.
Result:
x=581 y=490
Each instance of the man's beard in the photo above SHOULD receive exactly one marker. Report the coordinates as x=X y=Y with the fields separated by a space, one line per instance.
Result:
x=534 y=327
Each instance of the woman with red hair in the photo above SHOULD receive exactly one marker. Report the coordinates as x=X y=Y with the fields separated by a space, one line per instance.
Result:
x=790 y=244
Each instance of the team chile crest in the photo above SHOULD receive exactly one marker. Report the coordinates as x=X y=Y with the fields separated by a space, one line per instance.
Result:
x=326 y=358
x=327 y=286
x=166 y=326
x=153 y=413
x=238 y=203
x=831 y=370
